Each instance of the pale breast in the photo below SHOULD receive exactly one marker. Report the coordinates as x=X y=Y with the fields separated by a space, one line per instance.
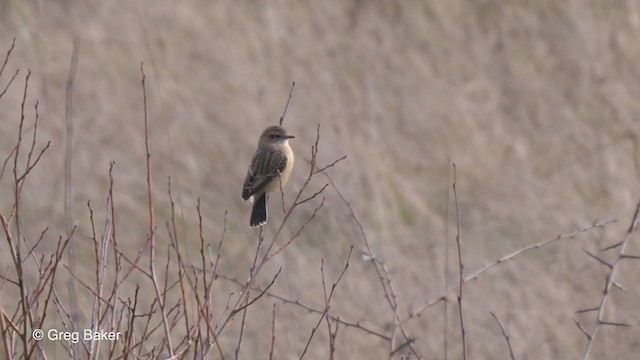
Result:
x=284 y=176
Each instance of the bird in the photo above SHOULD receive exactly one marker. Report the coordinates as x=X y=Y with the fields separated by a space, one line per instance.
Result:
x=270 y=168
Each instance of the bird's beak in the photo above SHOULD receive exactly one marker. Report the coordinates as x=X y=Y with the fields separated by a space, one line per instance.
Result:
x=289 y=136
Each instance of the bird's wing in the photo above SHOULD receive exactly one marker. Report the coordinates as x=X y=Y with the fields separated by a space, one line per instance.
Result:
x=265 y=166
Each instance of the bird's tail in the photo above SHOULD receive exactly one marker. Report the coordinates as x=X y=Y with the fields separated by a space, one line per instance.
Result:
x=259 y=212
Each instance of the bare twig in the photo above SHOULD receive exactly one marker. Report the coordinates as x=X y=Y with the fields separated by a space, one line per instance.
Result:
x=584 y=331
x=68 y=182
x=313 y=196
x=309 y=308
x=328 y=299
x=6 y=58
x=4 y=64
x=293 y=84
x=249 y=303
x=607 y=287
x=29 y=163
x=6 y=160
x=37 y=294
x=45 y=283
x=505 y=335
x=173 y=235
x=445 y=278
x=244 y=308
x=15 y=74
x=474 y=275
x=299 y=232
x=334 y=163
x=460 y=264
x=402 y=346
x=152 y=223
x=273 y=332
x=332 y=337
x=598 y=259
x=284 y=206
x=328 y=312
x=15 y=243
x=207 y=284
x=383 y=276
x=332 y=334
x=101 y=269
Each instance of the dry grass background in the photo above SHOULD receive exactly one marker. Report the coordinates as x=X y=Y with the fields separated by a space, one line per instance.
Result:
x=536 y=103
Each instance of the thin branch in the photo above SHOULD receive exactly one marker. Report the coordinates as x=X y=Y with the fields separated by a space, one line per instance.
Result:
x=101 y=269
x=152 y=224
x=246 y=294
x=587 y=310
x=15 y=74
x=293 y=84
x=611 y=323
x=598 y=259
x=460 y=264
x=284 y=206
x=584 y=331
x=273 y=280
x=403 y=345
x=299 y=232
x=383 y=276
x=524 y=249
x=607 y=288
x=309 y=308
x=505 y=335
x=68 y=180
x=4 y=164
x=309 y=198
x=17 y=251
x=273 y=332
x=6 y=59
x=328 y=314
x=324 y=168
x=328 y=300
x=181 y=269
x=615 y=283
x=611 y=247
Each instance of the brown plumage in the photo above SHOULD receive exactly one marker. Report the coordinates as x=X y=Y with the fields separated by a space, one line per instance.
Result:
x=270 y=166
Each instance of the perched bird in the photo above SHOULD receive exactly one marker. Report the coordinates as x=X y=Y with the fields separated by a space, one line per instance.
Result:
x=270 y=168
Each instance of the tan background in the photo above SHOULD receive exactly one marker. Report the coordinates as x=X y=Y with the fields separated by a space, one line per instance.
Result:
x=536 y=103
